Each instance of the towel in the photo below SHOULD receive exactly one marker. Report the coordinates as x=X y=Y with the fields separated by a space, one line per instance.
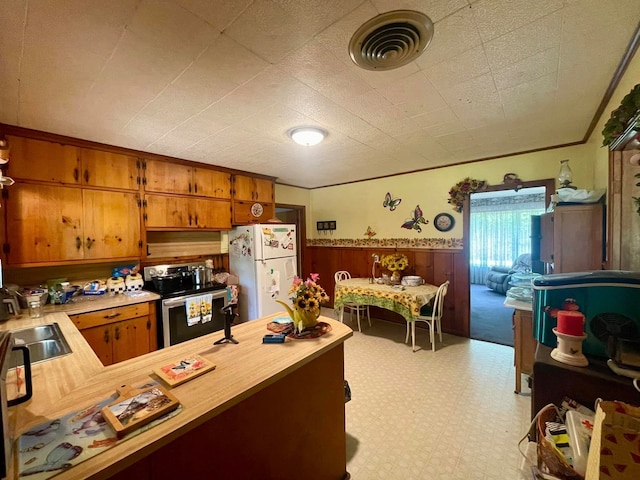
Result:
x=193 y=311
x=205 y=307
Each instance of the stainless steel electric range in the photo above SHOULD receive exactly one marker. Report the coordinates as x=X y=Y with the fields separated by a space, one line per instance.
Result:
x=180 y=285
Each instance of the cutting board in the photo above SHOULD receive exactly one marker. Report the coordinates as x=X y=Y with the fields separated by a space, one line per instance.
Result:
x=135 y=407
x=184 y=369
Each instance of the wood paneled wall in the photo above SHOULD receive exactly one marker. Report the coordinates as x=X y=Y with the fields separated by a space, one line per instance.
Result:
x=435 y=266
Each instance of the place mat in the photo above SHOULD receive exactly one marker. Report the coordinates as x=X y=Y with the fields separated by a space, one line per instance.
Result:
x=53 y=447
x=287 y=328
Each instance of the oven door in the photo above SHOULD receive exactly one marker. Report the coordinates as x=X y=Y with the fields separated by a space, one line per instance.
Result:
x=175 y=328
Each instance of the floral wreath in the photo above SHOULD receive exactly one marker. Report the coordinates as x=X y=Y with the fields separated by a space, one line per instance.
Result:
x=461 y=190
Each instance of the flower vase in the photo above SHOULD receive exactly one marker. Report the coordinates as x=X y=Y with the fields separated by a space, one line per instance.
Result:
x=395 y=277
x=302 y=319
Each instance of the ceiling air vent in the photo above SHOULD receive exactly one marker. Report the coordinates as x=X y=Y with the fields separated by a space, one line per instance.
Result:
x=391 y=40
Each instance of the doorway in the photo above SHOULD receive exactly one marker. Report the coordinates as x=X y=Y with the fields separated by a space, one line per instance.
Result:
x=499 y=234
x=295 y=214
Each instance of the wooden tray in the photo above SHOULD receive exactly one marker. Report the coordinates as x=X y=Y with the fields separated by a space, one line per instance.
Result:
x=136 y=407
x=183 y=370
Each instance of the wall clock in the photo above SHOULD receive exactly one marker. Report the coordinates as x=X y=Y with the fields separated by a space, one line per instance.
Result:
x=444 y=222
x=256 y=210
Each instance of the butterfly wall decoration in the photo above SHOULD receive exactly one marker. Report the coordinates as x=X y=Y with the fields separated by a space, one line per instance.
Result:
x=391 y=203
x=369 y=233
x=414 y=223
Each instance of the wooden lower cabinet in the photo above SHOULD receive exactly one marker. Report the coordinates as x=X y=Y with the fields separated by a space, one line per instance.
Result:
x=121 y=333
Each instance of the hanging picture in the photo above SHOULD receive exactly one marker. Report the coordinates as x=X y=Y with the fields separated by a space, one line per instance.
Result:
x=414 y=223
x=391 y=203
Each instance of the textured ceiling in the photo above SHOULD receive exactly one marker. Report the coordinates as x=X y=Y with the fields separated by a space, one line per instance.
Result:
x=221 y=82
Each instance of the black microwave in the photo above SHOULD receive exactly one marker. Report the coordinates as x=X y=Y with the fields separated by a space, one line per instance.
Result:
x=6 y=349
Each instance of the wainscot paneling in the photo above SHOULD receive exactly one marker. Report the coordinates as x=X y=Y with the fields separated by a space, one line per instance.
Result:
x=435 y=266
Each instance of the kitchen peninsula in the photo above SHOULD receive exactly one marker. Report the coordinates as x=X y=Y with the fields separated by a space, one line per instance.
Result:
x=266 y=411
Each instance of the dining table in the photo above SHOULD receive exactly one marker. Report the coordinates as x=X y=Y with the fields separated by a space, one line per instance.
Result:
x=403 y=299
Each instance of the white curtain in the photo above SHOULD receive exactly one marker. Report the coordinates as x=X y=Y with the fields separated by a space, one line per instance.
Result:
x=500 y=231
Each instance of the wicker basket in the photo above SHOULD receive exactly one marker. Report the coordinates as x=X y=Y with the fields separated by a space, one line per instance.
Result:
x=548 y=454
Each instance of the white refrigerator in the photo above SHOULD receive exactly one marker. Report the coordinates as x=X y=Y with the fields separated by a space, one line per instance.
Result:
x=264 y=258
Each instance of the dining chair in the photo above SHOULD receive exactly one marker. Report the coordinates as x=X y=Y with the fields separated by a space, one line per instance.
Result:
x=353 y=307
x=431 y=314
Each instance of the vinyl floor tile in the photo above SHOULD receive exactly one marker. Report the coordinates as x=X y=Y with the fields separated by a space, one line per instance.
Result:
x=420 y=415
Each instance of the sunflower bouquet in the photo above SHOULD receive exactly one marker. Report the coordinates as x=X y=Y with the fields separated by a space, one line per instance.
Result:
x=395 y=262
x=307 y=295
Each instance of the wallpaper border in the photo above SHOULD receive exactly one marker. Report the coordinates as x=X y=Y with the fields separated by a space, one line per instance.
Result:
x=426 y=243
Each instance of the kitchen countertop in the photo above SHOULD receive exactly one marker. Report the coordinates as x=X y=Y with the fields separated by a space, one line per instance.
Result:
x=75 y=381
x=91 y=303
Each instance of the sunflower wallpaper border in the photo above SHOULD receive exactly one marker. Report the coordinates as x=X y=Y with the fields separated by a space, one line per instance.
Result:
x=426 y=243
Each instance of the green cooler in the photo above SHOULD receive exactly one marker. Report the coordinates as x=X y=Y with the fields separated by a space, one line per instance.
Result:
x=609 y=300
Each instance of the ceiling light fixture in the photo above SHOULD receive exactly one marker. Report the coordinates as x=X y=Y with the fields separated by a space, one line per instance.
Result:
x=307 y=136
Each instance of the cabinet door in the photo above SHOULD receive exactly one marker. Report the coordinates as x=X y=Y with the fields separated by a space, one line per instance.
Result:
x=44 y=223
x=131 y=338
x=578 y=238
x=106 y=169
x=546 y=237
x=100 y=339
x=168 y=212
x=167 y=177
x=263 y=190
x=249 y=212
x=243 y=188
x=211 y=213
x=111 y=224
x=43 y=161
x=211 y=183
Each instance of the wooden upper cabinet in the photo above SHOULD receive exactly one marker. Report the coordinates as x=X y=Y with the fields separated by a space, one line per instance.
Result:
x=212 y=183
x=44 y=161
x=246 y=188
x=44 y=224
x=106 y=169
x=166 y=177
x=111 y=224
x=212 y=213
x=175 y=212
x=48 y=224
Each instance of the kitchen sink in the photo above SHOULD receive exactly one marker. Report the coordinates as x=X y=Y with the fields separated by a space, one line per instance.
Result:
x=44 y=343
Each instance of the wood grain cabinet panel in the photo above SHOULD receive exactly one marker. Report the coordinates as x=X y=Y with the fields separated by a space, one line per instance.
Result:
x=47 y=224
x=211 y=213
x=175 y=212
x=245 y=212
x=165 y=177
x=44 y=224
x=572 y=237
x=107 y=169
x=44 y=161
x=111 y=224
x=212 y=183
x=121 y=333
x=246 y=188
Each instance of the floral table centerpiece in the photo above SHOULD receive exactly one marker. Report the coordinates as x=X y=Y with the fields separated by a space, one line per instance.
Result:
x=307 y=297
x=395 y=263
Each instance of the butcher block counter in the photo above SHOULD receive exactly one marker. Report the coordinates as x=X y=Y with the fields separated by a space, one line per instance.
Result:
x=266 y=411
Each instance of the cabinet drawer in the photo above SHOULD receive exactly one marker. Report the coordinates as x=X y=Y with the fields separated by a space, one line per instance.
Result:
x=109 y=315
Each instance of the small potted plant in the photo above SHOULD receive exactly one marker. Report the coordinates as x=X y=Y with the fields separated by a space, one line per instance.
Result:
x=395 y=263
